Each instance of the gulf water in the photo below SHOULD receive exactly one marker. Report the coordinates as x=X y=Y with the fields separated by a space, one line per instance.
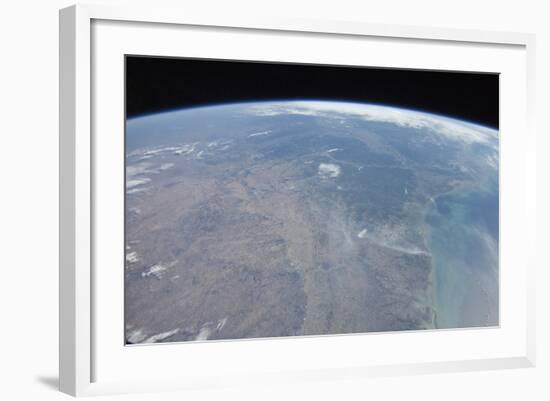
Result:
x=463 y=237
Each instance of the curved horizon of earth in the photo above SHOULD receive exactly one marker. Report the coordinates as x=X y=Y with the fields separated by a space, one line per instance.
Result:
x=287 y=218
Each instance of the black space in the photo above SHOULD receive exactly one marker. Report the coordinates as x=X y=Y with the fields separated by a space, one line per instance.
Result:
x=156 y=84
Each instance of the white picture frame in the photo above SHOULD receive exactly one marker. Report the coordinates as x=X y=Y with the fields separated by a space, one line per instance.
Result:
x=82 y=157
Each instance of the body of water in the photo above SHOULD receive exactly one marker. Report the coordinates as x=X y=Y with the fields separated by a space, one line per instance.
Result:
x=463 y=239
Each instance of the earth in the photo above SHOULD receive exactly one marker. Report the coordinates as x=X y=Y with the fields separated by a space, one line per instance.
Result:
x=289 y=218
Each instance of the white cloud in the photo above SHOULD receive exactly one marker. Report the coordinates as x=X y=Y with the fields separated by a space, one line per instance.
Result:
x=185 y=149
x=132 y=257
x=161 y=336
x=221 y=324
x=259 y=133
x=155 y=271
x=137 y=175
x=166 y=166
x=203 y=335
x=135 y=169
x=136 y=190
x=136 y=336
x=448 y=127
x=329 y=170
x=136 y=182
x=156 y=151
x=492 y=160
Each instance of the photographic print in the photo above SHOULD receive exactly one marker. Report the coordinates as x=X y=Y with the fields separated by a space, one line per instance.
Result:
x=280 y=199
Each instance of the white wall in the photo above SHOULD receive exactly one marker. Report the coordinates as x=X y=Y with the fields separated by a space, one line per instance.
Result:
x=28 y=197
